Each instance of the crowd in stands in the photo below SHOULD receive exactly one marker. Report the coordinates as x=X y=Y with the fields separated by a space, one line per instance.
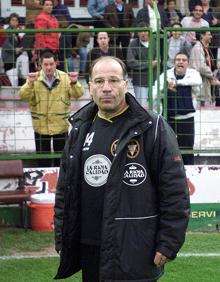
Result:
x=21 y=52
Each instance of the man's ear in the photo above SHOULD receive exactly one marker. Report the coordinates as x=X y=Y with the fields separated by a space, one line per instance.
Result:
x=90 y=87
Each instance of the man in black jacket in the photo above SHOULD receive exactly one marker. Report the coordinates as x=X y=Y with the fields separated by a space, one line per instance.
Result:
x=122 y=204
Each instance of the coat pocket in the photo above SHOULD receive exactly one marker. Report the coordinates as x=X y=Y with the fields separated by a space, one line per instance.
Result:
x=136 y=243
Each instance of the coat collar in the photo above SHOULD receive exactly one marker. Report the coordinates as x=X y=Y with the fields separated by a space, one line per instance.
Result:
x=137 y=114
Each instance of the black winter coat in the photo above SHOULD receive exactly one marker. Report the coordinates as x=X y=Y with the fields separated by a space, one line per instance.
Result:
x=146 y=205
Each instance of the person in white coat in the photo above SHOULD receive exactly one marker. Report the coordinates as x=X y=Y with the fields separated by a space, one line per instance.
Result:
x=183 y=87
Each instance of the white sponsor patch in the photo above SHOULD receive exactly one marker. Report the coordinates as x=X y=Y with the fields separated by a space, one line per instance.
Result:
x=96 y=170
x=135 y=174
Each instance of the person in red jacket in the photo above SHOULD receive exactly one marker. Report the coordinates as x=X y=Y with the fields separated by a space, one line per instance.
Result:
x=45 y=20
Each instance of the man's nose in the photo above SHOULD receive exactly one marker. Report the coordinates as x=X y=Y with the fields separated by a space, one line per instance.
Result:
x=106 y=85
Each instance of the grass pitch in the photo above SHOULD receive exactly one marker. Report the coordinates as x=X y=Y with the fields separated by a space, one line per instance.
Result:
x=198 y=261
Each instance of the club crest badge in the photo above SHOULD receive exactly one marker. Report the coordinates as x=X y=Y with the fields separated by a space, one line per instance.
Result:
x=133 y=148
x=135 y=174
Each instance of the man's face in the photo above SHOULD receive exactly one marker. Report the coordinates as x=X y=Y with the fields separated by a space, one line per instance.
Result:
x=48 y=6
x=176 y=34
x=197 y=12
x=13 y=22
x=103 y=39
x=48 y=66
x=207 y=37
x=143 y=36
x=108 y=86
x=171 y=5
x=181 y=64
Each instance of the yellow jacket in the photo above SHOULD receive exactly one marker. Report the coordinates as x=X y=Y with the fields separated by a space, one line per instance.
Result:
x=50 y=108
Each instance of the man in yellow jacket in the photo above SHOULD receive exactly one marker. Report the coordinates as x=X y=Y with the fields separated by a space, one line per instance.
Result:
x=49 y=94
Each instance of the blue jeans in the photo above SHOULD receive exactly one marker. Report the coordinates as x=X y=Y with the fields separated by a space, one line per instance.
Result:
x=82 y=61
x=83 y=56
x=141 y=94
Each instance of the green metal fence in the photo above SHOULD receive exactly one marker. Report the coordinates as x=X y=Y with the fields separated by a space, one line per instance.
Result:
x=158 y=36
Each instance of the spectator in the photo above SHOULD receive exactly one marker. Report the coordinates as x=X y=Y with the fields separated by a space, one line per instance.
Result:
x=184 y=86
x=45 y=20
x=49 y=94
x=61 y=10
x=173 y=14
x=122 y=203
x=14 y=61
x=119 y=14
x=177 y=43
x=148 y=15
x=208 y=12
x=96 y=9
x=192 y=3
x=80 y=48
x=193 y=21
x=138 y=62
x=211 y=15
x=3 y=37
x=201 y=59
x=68 y=52
x=216 y=89
x=65 y=55
x=216 y=35
x=33 y=9
x=103 y=49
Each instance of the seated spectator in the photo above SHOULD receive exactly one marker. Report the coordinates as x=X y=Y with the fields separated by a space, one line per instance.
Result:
x=177 y=43
x=96 y=9
x=138 y=62
x=193 y=21
x=103 y=49
x=33 y=9
x=173 y=14
x=61 y=10
x=201 y=60
x=45 y=20
x=71 y=48
x=147 y=15
x=15 y=60
x=119 y=14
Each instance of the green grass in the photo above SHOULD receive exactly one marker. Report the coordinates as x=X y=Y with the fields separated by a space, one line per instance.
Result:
x=183 y=269
x=18 y=240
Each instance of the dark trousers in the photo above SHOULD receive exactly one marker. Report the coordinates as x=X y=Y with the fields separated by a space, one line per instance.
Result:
x=43 y=145
x=90 y=256
x=90 y=263
x=185 y=132
x=97 y=23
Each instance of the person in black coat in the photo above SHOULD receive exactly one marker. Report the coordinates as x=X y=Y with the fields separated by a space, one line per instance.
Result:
x=122 y=199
